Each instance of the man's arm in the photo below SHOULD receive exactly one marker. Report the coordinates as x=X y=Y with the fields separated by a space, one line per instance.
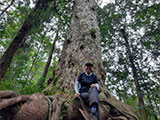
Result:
x=76 y=87
x=95 y=83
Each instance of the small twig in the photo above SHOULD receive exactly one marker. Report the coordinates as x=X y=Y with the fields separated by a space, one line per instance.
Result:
x=83 y=114
x=6 y=8
x=123 y=113
x=1 y=3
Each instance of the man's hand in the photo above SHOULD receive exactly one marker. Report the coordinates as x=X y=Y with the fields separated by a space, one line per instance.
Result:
x=93 y=85
x=77 y=94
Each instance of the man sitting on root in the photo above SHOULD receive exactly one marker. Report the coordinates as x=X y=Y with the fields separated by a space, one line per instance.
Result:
x=89 y=90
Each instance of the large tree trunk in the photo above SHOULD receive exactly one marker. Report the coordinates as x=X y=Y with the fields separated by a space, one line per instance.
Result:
x=134 y=71
x=19 y=39
x=82 y=45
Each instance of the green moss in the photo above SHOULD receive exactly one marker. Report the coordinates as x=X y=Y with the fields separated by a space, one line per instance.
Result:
x=55 y=80
x=54 y=109
x=64 y=110
x=93 y=30
x=52 y=89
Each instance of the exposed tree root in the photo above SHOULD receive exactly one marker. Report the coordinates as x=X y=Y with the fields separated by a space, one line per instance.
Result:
x=8 y=102
x=8 y=94
x=40 y=107
x=50 y=108
x=83 y=114
x=56 y=109
x=116 y=106
x=16 y=107
x=82 y=108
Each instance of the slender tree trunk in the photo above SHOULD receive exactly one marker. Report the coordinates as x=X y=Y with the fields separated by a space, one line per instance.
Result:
x=134 y=71
x=6 y=8
x=146 y=89
x=148 y=96
x=157 y=107
x=42 y=80
x=19 y=39
x=150 y=102
x=36 y=68
x=34 y=61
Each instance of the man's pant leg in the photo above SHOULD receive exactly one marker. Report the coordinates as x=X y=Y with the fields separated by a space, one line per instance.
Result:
x=94 y=102
x=84 y=96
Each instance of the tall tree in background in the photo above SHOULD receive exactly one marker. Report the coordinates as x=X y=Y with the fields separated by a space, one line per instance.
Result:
x=44 y=74
x=47 y=23
x=135 y=76
x=81 y=45
x=19 y=39
x=139 y=19
x=34 y=60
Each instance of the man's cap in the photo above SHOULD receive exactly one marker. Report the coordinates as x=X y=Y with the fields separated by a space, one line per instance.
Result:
x=89 y=64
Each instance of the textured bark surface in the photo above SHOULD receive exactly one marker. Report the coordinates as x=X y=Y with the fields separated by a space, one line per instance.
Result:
x=34 y=109
x=17 y=107
x=83 y=45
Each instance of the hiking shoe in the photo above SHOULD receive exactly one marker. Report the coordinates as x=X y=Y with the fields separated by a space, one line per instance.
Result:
x=93 y=109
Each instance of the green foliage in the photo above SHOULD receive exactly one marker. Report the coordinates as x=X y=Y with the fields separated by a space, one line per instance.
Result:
x=93 y=30
x=64 y=109
x=139 y=18
x=21 y=76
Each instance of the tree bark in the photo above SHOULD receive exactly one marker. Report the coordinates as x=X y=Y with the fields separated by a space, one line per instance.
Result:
x=82 y=45
x=19 y=39
x=134 y=71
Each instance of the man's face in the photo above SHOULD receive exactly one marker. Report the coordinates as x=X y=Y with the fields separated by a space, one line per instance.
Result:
x=88 y=69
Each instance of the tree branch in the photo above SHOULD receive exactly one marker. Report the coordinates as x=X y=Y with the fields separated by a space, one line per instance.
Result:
x=7 y=8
